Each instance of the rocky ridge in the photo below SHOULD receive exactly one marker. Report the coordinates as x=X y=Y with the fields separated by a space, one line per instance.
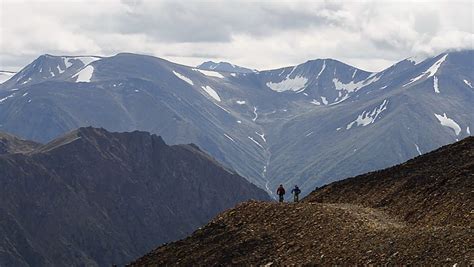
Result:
x=419 y=212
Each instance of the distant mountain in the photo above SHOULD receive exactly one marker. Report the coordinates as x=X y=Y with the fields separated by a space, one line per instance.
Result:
x=416 y=213
x=309 y=124
x=5 y=75
x=97 y=198
x=223 y=67
x=48 y=67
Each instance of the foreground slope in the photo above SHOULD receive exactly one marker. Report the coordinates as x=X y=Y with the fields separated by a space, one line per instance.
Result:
x=94 y=198
x=419 y=212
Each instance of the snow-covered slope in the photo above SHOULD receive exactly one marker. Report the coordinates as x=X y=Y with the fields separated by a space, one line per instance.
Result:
x=308 y=124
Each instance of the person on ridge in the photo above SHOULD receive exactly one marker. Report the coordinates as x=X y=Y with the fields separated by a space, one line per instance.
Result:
x=296 y=192
x=280 y=193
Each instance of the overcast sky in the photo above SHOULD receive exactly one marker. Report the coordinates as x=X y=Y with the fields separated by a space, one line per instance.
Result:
x=370 y=35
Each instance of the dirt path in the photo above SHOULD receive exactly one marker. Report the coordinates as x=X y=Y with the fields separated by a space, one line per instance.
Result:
x=374 y=218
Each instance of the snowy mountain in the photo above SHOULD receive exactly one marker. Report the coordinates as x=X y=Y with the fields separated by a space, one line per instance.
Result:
x=309 y=124
x=5 y=75
x=48 y=67
x=223 y=67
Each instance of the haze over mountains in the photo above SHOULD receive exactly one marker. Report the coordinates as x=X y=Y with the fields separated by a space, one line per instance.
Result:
x=309 y=124
x=95 y=198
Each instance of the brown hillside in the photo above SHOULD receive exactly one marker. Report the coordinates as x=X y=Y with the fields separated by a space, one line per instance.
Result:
x=419 y=212
x=10 y=144
x=434 y=189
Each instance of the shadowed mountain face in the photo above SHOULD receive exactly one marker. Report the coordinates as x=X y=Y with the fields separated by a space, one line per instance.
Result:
x=93 y=197
x=309 y=124
x=419 y=212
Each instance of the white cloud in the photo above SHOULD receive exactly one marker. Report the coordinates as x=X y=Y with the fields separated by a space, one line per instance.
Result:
x=368 y=34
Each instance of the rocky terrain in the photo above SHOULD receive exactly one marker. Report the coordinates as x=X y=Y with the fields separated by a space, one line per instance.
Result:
x=419 y=212
x=95 y=198
x=10 y=144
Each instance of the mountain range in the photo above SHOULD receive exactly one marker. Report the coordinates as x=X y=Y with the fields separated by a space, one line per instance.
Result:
x=415 y=213
x=308 y=124
x=96 y=198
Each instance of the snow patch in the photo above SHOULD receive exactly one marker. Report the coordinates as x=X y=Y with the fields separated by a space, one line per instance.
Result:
x=85 y=74
x=59 y=69
x=325 y=101
x=255 y=113
x=322 y=69
x=368 y=117
x=448 y=122
x=25 y=94
x=221 y=107
x=66 y=62
x=435 y=84
x=233 y=74
x=7 y=97
x=354 y=86
x=261 y=136
x=239 y=122
x=257 y=143
x=230 y=138
x=468 y=131
x=418 y=149
x=211 y=92
x=240 y=102
x=430 y=72
x=29 y=79
x=210 y=73
x=309 y=134
x=468 y=83
x=182 y=77
x=86 y=60
x=315 y=102
x=288 y=84
x=344 y=98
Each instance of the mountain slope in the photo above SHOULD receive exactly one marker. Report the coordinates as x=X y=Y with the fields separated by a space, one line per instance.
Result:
x=419 y=212
x=98 y=198
x=10 y=144
x=309 y=124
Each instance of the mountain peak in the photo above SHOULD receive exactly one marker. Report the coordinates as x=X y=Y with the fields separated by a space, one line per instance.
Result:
x=99 y=138
x=223 y=67
x=135 y=193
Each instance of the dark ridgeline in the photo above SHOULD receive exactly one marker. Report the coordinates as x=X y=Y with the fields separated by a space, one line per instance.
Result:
x=93 y=197
x=419 y=212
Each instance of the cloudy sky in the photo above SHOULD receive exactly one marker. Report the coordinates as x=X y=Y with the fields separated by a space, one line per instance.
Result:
x=258 y=34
